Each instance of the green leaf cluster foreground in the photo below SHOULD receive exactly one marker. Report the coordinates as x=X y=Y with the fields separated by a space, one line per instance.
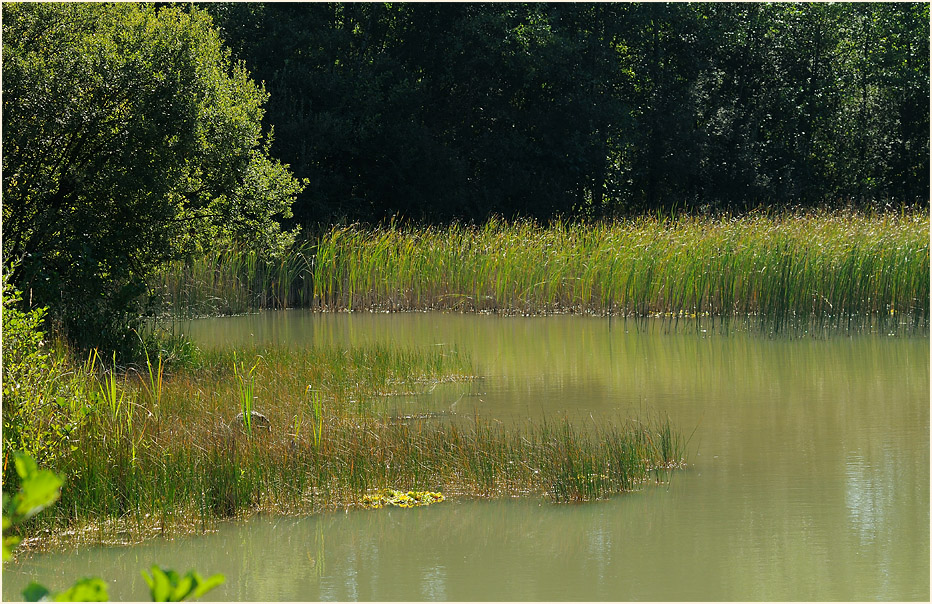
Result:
x=169 y=586
x=39 y=489
x=84 y=590
x=130 y=137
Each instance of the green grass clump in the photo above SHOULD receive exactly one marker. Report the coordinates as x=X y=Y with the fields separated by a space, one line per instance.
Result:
x=837 y=269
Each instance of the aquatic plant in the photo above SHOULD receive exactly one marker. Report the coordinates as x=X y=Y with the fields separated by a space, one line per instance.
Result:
x=834 y=268
x=112 y=394
x=246 y=385
x=400 y=499
x=235 y=279
x=317 y=425
x=827 y=269
x=155 y=383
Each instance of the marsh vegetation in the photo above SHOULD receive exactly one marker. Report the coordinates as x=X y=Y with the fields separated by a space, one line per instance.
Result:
x=775 y=271
x=152 y=450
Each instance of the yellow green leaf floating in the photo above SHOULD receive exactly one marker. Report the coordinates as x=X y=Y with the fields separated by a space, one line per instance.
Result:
x=400 y=499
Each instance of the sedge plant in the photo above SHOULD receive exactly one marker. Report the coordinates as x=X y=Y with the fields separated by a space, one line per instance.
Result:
x=782 y=271
x=317 y=414
x=245 y=388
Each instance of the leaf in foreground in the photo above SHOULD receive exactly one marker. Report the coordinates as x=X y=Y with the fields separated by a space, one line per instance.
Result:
x=39 y=489
x=167 y=585
x=91 y=589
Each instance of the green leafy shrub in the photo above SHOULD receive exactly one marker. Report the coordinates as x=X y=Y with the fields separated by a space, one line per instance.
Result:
x=43 y=399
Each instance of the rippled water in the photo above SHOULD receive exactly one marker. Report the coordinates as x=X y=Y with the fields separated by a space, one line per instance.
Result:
x=808 y=476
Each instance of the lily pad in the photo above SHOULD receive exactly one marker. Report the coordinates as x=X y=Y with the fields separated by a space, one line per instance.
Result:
x=400 y=499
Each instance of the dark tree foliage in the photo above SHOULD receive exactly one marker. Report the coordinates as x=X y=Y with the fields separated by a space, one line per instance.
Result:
x=442 y=111
x=129 y=138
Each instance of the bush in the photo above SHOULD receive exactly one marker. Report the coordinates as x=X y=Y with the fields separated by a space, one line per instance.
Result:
x=44 y=401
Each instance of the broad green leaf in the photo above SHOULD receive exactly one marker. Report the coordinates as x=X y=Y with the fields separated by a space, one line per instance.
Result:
x=166 y=585
x=91 y=589
x=182 y=587
x=39 y=488
x=163 y=585
x=35 y=592
x=37 y=493
x=158 y=584
x=205 y=585
x=26 y=466
x=8 y=544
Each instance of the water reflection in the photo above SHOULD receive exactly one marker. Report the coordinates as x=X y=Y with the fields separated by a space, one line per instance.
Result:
x=864 y=498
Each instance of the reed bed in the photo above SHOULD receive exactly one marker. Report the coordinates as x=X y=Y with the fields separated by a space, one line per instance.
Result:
x=823 y=269
x=162 y=451
x=235 y=280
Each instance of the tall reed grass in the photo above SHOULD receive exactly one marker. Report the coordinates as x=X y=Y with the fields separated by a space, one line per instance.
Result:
x=234 y=280
x=827 y=269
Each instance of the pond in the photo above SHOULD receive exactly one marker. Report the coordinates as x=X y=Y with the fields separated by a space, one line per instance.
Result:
x=808 y=475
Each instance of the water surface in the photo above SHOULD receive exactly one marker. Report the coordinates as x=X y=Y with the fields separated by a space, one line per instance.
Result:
x=808 y=475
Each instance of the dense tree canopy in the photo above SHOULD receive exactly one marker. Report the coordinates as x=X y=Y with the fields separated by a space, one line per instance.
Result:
x=439 y=111
x=129 y=138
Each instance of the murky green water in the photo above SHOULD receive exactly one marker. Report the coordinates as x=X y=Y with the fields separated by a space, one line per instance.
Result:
x=808 y=477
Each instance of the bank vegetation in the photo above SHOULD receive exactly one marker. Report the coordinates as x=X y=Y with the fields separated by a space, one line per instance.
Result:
x=782 y=271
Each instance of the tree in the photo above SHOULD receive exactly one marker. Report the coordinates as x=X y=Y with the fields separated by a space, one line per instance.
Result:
x=130 y=138
x=436 y=111
x=881 y=125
